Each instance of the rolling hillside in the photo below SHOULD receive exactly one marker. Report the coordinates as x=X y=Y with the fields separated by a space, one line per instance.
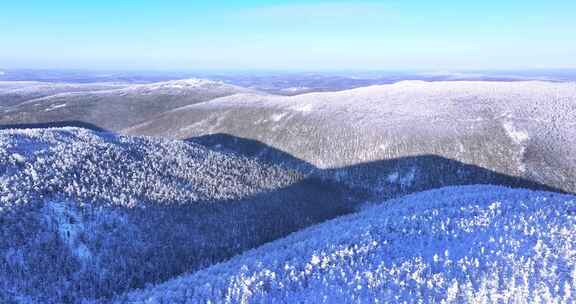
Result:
x=115 y=109
x=524 y=129
x=15 y=92
x=474 y=244
x=398 y=192
x=87 y=214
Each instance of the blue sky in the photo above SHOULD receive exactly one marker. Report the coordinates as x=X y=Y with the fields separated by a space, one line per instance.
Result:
x=296 y=35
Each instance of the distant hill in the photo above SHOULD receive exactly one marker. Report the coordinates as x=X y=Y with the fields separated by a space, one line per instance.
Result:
x=15 y=92
x=112 y=109
x=87 y=215
x=524 y=129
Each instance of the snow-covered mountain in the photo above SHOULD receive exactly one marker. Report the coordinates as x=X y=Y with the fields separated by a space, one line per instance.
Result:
x=475 y=244
x=15 y=92
x=525 y=129
x=85 y=214
x=90 y=216
x=113 y=109
x=221 y=209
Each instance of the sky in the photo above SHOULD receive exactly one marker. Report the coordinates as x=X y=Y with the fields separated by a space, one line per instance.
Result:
x=290 y=35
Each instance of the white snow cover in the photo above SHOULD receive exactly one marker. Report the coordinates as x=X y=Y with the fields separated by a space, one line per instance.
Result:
x=173 y=88
x=103 y=106
x=118 y=211
x=177 y=87
x=518 y=136
x=55 y=106
x=13 y=93
x=525 y=128
x=33 y=88
x=162 y=171
x=296 y=89
x=86 y=214
x=473 y=244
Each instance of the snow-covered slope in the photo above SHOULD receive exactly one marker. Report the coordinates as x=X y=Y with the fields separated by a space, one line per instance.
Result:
x=115 y=109
x=525 y=129
x=16 y=92
x=85 y=214
x=88 y=215
x=475 y=244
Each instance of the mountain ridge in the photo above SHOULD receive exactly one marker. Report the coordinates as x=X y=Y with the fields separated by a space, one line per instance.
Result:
x=520 y=128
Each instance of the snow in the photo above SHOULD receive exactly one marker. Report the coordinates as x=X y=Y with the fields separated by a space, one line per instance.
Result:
x=59 y=152
x=70 y=227
x=296 y=89
x=19 y=158
x=33 y=88
x=18 y=92
x=176 y=87
x=54 y=107
x=393 y=177
x=92 y=214
x=278 y=117
x=481 y=123
x=469 y=244
x=305 y=108
x=184 y=84
x=405 y=179
x=105 y=106
x=517 y=135
x=97 y=215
